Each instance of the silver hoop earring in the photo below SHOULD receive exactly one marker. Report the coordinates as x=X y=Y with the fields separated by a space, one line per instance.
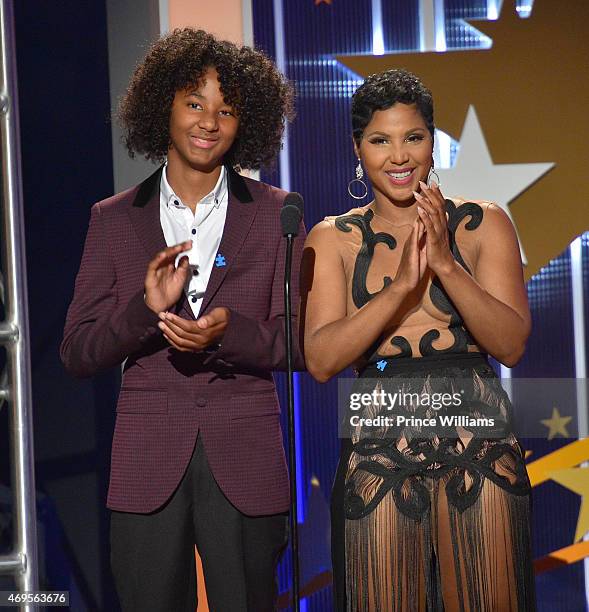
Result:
x=358 y=179
x=432 y=170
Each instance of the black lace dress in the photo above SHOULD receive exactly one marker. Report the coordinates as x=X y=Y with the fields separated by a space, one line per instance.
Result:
x=428 y=518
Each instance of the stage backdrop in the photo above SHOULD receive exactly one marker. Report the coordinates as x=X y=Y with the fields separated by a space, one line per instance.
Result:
x=510 y=94
x=511 y=130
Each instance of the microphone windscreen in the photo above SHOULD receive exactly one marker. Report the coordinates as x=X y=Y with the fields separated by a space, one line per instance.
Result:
x=290 y=217
x=294 y=199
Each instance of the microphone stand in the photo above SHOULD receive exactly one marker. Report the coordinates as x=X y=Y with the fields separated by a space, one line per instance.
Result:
x=294 y=539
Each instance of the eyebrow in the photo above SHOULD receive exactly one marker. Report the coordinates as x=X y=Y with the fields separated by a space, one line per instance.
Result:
x=379 y=133
x=195 y=94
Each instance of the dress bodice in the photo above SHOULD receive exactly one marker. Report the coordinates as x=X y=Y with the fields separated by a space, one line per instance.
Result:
x=427 y=322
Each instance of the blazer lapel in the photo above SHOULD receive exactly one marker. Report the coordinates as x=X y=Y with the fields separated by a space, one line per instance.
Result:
x=144 y=213
x=241 y=211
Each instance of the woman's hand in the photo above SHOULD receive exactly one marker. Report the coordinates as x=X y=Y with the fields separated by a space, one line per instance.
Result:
x=413 y=259
x=431 y=208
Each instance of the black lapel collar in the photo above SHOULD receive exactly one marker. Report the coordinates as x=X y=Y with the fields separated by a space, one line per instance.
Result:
x=237 y=186
x=151 y=187
x=145 y=214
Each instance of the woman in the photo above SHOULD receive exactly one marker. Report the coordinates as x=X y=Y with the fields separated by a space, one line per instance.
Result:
x=415 y=290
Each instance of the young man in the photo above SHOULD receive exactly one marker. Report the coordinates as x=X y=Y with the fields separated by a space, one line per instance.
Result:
x=181 y=280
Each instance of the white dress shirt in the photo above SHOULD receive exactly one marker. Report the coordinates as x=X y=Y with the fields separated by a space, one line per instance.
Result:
x=204 y=228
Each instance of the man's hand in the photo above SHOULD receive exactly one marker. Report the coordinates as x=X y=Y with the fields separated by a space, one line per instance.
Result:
x=194 y=336
x=164 y=282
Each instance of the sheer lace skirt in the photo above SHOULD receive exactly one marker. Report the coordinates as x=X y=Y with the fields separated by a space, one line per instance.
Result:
x=432 y=523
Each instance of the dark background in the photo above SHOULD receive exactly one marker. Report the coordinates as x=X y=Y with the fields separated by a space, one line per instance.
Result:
x=62 y=62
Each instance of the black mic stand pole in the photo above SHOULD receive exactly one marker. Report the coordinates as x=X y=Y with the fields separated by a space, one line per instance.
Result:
x=294 y=539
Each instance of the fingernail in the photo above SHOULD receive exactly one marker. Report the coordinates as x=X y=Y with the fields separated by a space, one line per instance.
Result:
x=416 y=194
x=423 y=184
x=161 y=325
x=419 y=209
x=162 y=316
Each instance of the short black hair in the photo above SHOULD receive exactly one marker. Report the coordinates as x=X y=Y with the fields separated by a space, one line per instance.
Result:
x=250 y=83
x=384 y=89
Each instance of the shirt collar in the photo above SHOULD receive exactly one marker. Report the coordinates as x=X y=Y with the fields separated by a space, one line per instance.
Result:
x=215 y=197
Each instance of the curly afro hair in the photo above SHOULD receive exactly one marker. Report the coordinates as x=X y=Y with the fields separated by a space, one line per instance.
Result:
x=384 y=89
x=250 y=82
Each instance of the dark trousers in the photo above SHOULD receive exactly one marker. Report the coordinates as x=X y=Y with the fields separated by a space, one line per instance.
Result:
x=152 y=555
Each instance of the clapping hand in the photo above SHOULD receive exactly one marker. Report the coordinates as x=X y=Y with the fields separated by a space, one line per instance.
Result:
x=413 y=259
x=431 y=208
x=164 y=282
x=194 y=336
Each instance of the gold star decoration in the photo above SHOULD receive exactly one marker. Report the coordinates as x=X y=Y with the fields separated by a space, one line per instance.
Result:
x=577 y=480
x=556 y=424
x=529 y=90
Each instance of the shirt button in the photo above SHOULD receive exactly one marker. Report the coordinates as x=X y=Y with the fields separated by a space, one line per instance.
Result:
x=201 y=402
x=194 y=299
x=195 y=273
x=176 y=202
x=193 y=231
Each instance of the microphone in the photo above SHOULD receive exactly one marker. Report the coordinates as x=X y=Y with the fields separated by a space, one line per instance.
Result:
x=291 y=214
x=290 y=218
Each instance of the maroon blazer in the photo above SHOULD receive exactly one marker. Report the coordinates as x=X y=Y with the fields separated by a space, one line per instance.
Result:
x=167 y=397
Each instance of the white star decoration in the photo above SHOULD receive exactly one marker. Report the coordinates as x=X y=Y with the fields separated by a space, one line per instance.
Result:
x=475 y=176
